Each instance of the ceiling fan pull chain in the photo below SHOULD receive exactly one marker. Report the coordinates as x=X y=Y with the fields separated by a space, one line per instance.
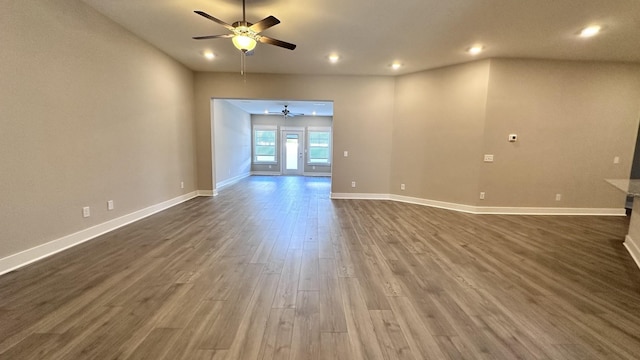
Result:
x=242 y=59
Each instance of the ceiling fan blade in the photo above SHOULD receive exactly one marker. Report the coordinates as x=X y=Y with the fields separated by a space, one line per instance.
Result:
x=204 y=14
x=268 y=40
x=264 y=24
x=223 y=36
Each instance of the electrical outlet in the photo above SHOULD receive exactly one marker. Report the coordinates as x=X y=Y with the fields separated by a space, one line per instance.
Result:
x=616 y=160
x=346 y=153
x=110 y=205
x=401 y=186
x=482 y=195
x=181 y=184
x=558 y=197
x=488 y=158
x=86 y=211
x=353 y=184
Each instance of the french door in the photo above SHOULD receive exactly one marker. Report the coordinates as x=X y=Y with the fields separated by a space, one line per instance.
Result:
x=293 y=152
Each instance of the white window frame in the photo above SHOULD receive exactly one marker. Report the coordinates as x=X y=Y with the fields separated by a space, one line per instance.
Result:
x=311 y=129
x=273 y=128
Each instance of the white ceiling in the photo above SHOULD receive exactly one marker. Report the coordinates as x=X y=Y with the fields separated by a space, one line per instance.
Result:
x=370 y=34
x=307 y=108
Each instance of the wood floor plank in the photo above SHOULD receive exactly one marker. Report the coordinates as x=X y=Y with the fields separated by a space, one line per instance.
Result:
x=190 y=338
x=305 y=343
x=372 y=288
x=309 y=269
x=359 y=326
x=220 y=335
x=276 y=343
x=272 y=268
x=289 y=278
x=163 y=315
x=155 y=345
x=421 y=342
x=248 y=339
x=34 y=346
x=335 y=346
x=332 y=318
x=392 y=341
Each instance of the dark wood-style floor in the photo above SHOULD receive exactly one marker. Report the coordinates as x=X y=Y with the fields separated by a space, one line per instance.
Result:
x=273 y=269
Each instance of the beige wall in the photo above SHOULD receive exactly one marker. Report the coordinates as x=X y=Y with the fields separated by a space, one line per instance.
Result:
x=572 y=119
x=88 y=113
x=362 y=121
x=438 y=132
x=232 y=141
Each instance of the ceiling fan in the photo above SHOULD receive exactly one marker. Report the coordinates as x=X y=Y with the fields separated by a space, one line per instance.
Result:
x=286 y=112
x=244 y=34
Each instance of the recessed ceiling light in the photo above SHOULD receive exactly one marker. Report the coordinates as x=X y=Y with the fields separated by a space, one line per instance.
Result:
x=333 y=58
x=475 y=50
x=209 y=55
x=590 y=31
x=396 y=65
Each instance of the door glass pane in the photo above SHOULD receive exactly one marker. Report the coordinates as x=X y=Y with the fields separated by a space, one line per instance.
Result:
x=291 y=152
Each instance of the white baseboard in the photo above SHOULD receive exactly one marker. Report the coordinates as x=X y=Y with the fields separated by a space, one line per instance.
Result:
x=33 y=254
x=496 y=210
x=207 y=193
x=633 y=248
x=549 y=211
x=359 y=196
x=232 y=180
x=435 y=203
x=265 y=173
x=276 y=173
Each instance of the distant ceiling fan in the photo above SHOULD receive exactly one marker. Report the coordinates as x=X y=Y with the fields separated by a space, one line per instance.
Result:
x=286 y=112
x=244 y=34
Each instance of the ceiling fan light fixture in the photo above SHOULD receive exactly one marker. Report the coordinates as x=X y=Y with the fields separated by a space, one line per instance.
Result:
x=244 y=43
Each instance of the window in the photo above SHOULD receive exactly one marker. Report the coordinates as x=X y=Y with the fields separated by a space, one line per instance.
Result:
x=264 y=145
x=319 y=146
